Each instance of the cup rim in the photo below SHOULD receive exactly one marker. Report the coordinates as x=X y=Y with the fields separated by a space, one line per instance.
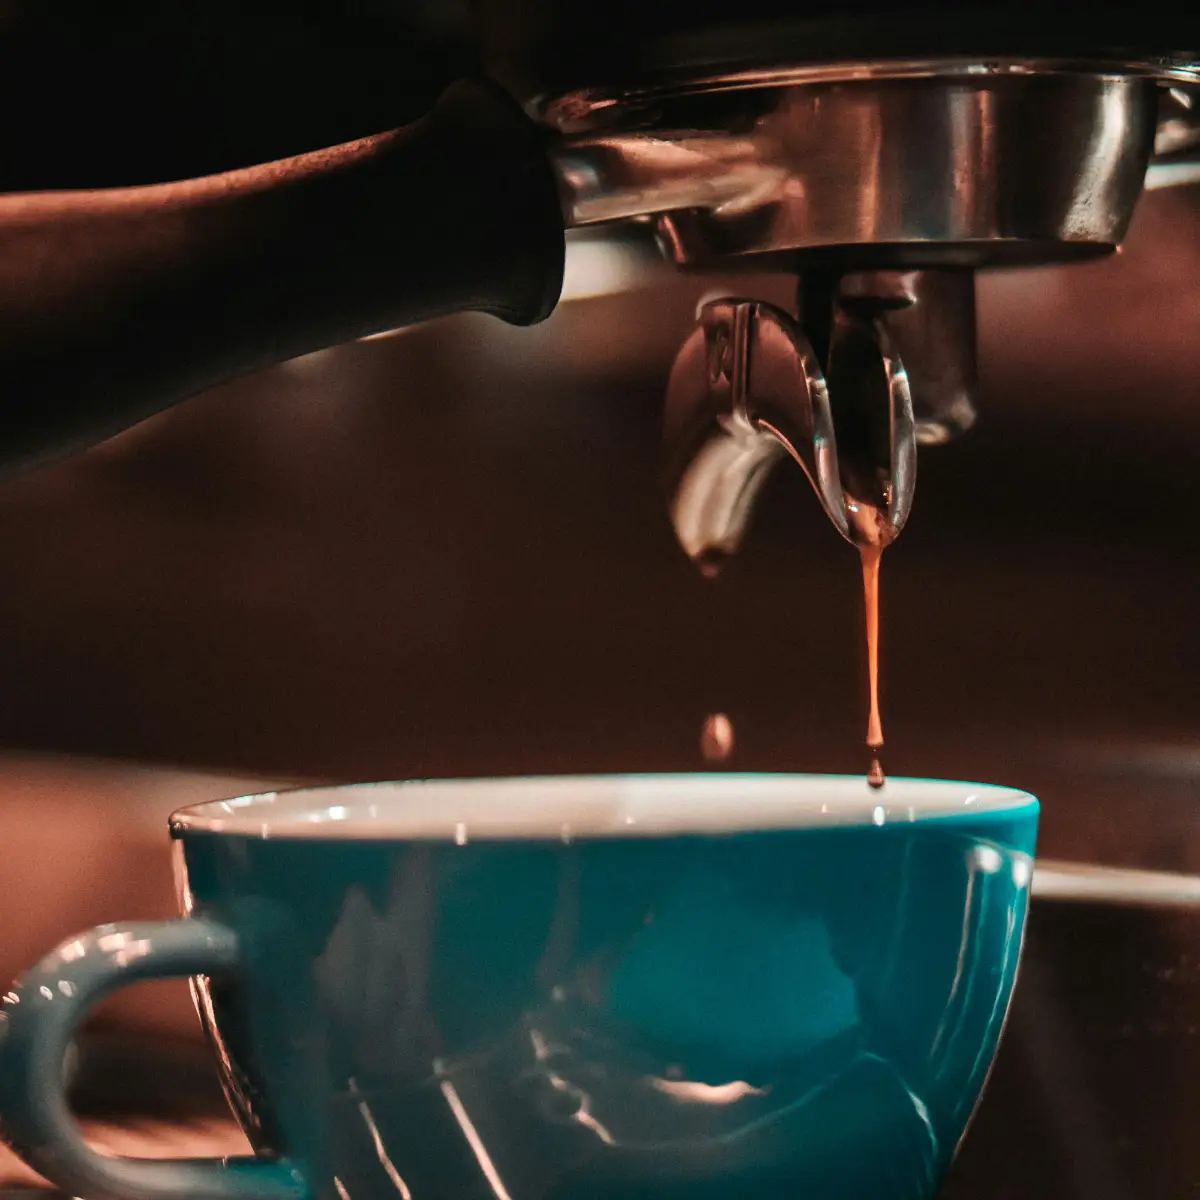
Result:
x=589 y=807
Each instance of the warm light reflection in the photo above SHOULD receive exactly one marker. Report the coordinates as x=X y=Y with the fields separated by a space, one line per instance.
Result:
x=1022 y=869
x=380 y=1150
x=988 y=859
x=183 y=890
x=964 y=942
x=601 y=268
x=694 y=1092
x=474 y=1141
x=71 y=951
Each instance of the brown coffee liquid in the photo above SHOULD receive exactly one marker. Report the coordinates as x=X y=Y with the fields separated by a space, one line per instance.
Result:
x=872 y=532
x=716 y=738
x=871 y=556
x=875 y=776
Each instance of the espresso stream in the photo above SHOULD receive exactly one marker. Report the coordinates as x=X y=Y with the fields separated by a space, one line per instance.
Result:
x=869 y=415
x=871 y=556
x=871 y=531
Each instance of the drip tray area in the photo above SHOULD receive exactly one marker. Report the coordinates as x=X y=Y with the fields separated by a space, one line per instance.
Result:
x=1093 y=1095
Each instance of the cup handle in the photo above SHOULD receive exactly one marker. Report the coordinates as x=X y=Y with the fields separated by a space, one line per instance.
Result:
x=37 y=1020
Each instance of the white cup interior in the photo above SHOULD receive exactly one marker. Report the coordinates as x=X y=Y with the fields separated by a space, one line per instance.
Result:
x=567 y=807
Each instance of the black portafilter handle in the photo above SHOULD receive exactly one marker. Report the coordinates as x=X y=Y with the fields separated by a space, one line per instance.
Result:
x=116 y=304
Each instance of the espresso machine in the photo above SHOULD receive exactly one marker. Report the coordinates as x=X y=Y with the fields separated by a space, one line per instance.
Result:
x=881 y=153
x=184 y=225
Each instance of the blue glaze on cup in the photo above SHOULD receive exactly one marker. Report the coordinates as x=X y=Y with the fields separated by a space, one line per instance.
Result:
x=657 y=987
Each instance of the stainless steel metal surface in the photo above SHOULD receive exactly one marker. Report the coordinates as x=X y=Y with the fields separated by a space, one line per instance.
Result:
x=964 y=168
x=575 y=110
x=1177 y=142
x=855 y=176
x=1178 y=120
x=747 y=391
x=930 y=320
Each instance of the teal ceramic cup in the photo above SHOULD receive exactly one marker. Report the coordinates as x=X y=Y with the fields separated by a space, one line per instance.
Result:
x=742 y=986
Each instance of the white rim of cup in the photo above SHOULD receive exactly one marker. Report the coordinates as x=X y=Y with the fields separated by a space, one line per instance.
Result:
x=593 y=806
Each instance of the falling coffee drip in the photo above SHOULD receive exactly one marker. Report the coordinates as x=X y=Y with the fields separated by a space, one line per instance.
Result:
x=859 y=387
x=716 y=738
x=871 y=557
x=871 y=531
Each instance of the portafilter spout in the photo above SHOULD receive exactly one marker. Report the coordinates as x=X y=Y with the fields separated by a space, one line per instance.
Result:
x=748 y=390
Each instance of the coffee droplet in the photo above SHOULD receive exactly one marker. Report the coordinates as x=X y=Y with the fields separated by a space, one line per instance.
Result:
x=716 y=737
x=875 y=775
